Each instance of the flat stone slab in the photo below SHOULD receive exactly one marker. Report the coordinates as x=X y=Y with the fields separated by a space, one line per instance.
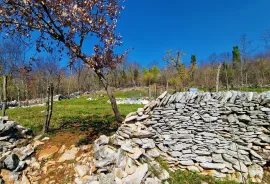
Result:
x=212 y=166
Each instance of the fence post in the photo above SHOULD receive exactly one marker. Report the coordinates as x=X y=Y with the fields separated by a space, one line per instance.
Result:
x=45 y=127
x=51 y=105
x=4 y=104
x=19 y=96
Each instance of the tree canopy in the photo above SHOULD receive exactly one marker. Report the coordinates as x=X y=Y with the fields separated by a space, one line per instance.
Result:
x=67 y=24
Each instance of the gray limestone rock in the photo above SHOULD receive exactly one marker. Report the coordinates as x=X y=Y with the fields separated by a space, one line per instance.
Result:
x=11 y=162
x=217 y=166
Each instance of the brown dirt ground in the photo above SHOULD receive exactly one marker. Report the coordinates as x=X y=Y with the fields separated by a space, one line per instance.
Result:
x=52 y=170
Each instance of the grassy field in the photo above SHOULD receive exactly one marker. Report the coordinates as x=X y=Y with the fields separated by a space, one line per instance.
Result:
x=77 y=112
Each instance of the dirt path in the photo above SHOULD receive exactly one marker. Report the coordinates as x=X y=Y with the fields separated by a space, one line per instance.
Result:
x=55 y=160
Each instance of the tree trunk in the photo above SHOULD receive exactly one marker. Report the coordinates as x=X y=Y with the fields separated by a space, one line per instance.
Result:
x=167 y=85
x=149 y=92
x=217 y=79
x=155 y=90
x=110 y=94
x=45 y=124
x=4 y=104
x=0 y=93
x=246 y=79
x=69 y=83
x=26 y=93
x=227 y=80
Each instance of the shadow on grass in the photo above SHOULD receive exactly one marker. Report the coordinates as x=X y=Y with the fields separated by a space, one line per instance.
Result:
x=93 y=126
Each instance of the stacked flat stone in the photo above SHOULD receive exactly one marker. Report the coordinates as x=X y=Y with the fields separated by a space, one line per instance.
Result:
x=224 y=134
x=13 y=152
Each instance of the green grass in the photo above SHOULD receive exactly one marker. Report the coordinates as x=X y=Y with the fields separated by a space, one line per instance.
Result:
x=67 y=112
x=189 y=177
x=131 y=94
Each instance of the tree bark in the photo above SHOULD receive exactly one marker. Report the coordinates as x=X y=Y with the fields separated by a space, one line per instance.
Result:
x=0 y=93
x=155 y=90
x=110 y=94
x=26 y=93
x=4 y=104
x=69 y=82
x=227 y=80
x=217 y=79
x=149 y=92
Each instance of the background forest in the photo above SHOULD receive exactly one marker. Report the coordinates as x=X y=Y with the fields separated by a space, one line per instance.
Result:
x=246 y=67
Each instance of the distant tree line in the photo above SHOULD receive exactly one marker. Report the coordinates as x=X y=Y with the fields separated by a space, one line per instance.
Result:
x=243 y=67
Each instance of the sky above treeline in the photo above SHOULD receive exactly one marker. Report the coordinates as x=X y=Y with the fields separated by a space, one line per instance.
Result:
x=197 y=27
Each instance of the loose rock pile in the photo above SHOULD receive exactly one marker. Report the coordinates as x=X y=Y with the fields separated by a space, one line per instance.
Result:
x=223 y=134
x=131 y=101
x=13 y=152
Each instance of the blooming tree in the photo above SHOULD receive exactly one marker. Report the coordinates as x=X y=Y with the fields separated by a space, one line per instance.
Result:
x=65 y=25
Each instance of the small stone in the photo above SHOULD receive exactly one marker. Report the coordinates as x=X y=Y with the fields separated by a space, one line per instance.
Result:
x=9 y=177
x=162 y=95
x=193 y=168
x=212 y=166
x=119 y=173
x=47 y=153
x=25 y=180
x=186 y=162
x=11 y=162
x=45 y=139
x=37 y=143
x=102 y=140
x=137 y=152
x=62 y=149
x=21 y=166
x=143 y=117
x=108 y=178
x=217 y=174
x=137 y=176
x=131 y=118
x=255 y=171
x=217 y=158
x=82 y=170
x=264 y=109
x=176 y=154
x=231 y=118
x=154 y=153
x=240 y=167
x=152 y=181
x=148 y=144
x=127 y=147
x=203 y=159
x=244 y=118
x=253 y=153
x=68 y=155
x=264 y=138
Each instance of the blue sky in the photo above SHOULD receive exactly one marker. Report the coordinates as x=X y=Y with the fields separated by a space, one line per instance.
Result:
x=195 y=26
x=198 y=27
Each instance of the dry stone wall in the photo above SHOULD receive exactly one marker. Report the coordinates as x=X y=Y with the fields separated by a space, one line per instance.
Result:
x=225 y=134
x=14 y=148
